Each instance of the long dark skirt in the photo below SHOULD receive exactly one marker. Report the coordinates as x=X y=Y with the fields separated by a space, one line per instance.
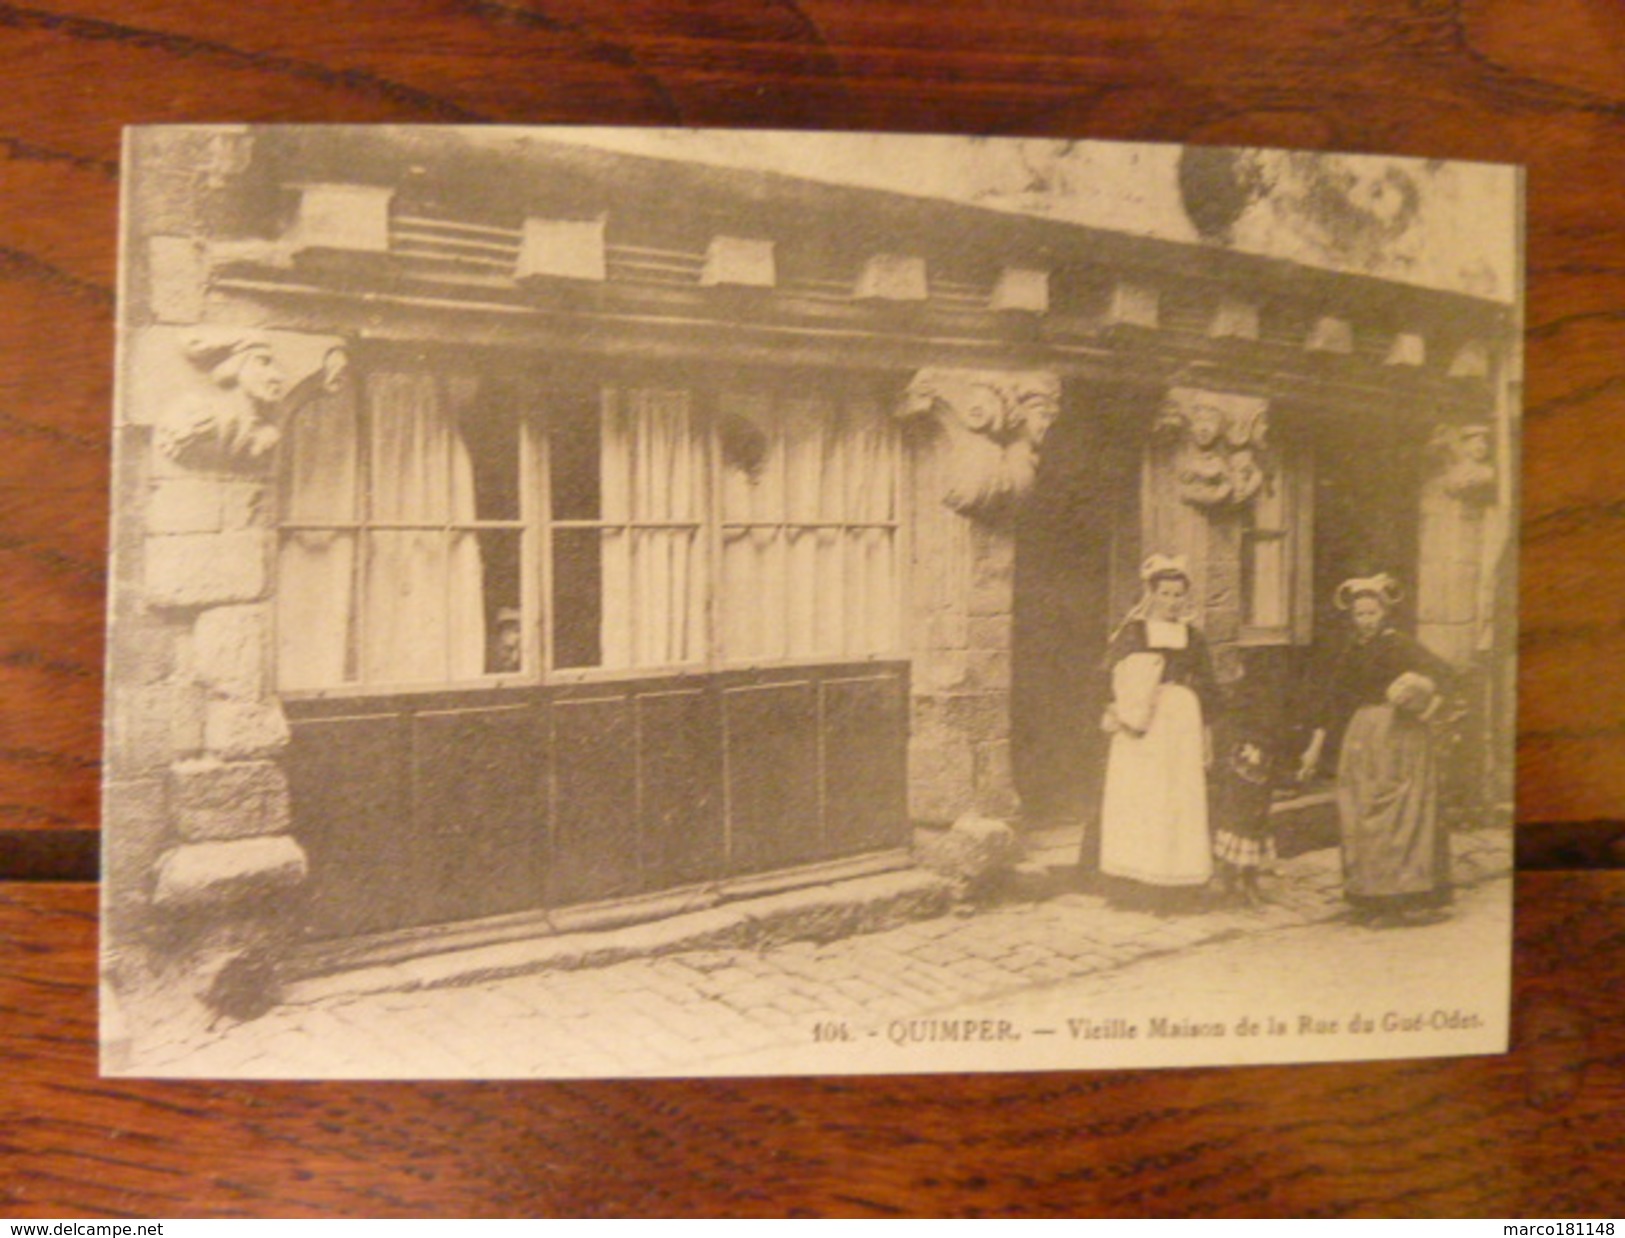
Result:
x=1395 y=854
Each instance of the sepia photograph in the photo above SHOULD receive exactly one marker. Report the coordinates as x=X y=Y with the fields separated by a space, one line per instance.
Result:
x=596 y=603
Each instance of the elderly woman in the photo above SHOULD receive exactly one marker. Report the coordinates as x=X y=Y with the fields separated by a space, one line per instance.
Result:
x=1154 y=823
x=1396 y=858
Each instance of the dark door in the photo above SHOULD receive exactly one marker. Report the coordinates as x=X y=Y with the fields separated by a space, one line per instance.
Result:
x=1076 y=537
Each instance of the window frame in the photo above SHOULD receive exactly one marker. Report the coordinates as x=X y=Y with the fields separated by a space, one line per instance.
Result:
x=535 y=525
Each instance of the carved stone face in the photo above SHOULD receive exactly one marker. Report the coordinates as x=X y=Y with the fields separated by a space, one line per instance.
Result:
x=1475 y=448
x=262 y=380
x=1207 y=423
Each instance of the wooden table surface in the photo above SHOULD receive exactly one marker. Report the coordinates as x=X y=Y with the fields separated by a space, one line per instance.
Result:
x=1538 y=1133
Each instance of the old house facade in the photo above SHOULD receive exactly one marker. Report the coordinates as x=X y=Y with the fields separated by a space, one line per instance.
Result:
x=510 y=530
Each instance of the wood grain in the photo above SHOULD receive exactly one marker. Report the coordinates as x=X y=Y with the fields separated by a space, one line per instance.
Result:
x=1538 y=1133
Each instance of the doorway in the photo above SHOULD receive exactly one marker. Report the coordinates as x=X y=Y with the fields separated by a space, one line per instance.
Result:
x=1077 y=554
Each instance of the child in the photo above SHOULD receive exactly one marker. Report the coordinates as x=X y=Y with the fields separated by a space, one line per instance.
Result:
x=1243 y=842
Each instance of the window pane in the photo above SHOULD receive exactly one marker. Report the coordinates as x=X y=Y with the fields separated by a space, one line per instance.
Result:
x=314 y=615
x=650 y=434
x=505 y=626
x=320 y=484
x=753 y=613
x=1267 y=590
x=577 y=597
x=425 y=615
x=667 y=603
x=817 y=586
x=573 y=455
x=490 y=430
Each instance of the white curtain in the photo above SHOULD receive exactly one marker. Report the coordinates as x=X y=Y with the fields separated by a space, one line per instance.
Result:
x=752 y=556
x=653 y=491
x=425 y=616
x=870 y=497
x=316 y=567
x=799 y=579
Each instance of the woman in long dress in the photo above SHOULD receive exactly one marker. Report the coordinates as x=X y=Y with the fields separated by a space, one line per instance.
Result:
x=1389 y=688
x=1154 y=817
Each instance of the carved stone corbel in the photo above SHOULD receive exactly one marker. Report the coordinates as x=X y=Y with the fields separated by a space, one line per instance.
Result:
x=1463 y=467
x=1222 y=454
x=234 y=422
x=994 y=422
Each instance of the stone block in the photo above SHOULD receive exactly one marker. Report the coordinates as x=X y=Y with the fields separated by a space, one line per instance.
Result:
x=243 y=505
x=184 y=505
x=186 y=704
x=211 y=874
x=1408 y=349
x=343 y=217
x=177 y=278
x=236 y=730
x=213 y=799
x=206 y=569
x=1330 y=335
x=988 y=669
x=1133 y=305
x=976 y=716
x=135 y=814
x=993 y=573
x=943 y=670
x=229 y=651
x=973 y=849
x=144 y=651
x=562 y=249
x=989 y=632
x=149 y=725
x=1234 y=319
x=1024 y=289
x=993 y=776
x=892 y=277
x=941 y=780
x=739 y=261
x=950 y=629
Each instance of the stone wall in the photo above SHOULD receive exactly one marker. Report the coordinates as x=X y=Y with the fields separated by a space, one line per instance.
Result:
x=962 y=577
x=199 y=849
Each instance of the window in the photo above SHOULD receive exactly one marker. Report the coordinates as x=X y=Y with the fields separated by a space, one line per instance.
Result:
x=809 y=526
x=440 y=528
x=401 y=534
x=629 y=502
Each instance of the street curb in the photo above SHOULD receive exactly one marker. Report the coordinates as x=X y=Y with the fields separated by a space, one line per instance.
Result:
x=832 y=911
x=815 y=913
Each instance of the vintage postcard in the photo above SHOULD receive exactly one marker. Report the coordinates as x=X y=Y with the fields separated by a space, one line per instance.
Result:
x=613 y=602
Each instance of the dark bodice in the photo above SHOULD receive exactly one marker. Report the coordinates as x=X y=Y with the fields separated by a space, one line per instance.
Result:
x=1190 y=667
x=1362 y=673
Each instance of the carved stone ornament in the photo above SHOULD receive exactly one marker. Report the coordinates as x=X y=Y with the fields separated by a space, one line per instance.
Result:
x=995 y=422
x=231 y=424
x=1463 y=464
x=1221 y=455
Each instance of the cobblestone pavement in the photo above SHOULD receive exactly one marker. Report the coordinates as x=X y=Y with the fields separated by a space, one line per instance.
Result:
x=695 y=1012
